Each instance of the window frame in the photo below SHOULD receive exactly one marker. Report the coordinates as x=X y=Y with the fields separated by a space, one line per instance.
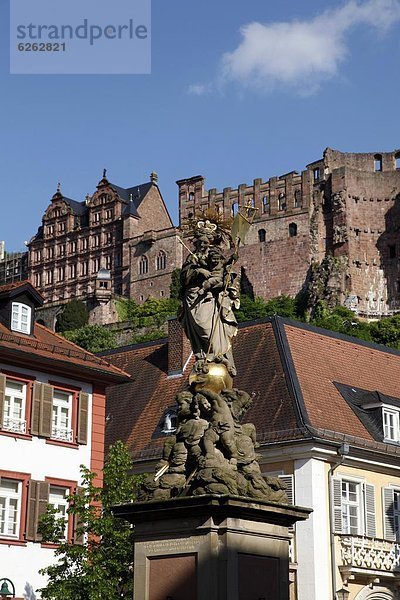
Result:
x=393 y=412
x=24 y=398
x=23 y=480
x=57 y=404
x=352 y=504
x=18 y=327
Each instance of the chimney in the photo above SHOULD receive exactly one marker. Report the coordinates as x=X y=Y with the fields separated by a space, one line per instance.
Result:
x=179 y=349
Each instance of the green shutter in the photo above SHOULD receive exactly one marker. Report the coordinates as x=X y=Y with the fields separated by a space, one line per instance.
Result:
x=83 y=418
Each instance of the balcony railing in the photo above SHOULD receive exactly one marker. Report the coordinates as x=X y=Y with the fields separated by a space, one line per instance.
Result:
x=61 y=433
x=370 y=553
x=14 y=425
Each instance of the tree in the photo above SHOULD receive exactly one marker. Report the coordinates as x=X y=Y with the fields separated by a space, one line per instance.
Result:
x=175 y=288
x=74 y=316
x=387 y=331
x=342 y=320
x=101 y=567
x=93 y=338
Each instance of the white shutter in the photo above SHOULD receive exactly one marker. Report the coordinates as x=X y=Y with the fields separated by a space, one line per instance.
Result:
x=289 y=482
x=337 y=505
x=388 y=516
x=369 y=510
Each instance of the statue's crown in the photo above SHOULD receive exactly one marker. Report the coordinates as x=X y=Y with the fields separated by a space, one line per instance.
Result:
x=207 y=226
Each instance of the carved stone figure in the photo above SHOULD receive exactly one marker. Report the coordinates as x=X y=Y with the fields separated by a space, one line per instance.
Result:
x=212 y=452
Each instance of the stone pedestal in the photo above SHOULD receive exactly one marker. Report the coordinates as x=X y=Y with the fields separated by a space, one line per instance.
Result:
x=211 y=548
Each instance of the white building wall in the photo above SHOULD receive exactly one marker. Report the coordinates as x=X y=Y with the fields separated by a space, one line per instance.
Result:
x=312 y=535
x=21 y=564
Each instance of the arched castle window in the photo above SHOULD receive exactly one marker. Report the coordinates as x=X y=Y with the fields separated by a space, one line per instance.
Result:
x=143 y=265
x=377 y=163
x=282 y=201
x=266 y=205
x=161 y=261
x=292 y=230
x=297 y=198
x=261 y=235
x=397 y=161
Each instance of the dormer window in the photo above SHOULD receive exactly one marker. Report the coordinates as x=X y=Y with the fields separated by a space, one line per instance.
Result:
x=391 y=424
x=21 y=317
x=170 y=422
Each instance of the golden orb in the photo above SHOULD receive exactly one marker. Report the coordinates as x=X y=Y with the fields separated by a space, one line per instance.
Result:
x=216 y=380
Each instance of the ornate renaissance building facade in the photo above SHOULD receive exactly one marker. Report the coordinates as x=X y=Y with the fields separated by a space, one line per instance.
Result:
x=342 y=211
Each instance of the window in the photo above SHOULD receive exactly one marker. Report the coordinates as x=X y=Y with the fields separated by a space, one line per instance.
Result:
x=235 y=208
x=61 y=227
x=161 y=262
x=354 y=507
x=390 y=424
x=350 y=507
x=63 y=250
x=109 y=214
x=108 y=238
x=96 y=217
x=297 y=199
x=108 y=262
x=74 y=247
x=316 y=173
x=84 y=268
x=10 y=506
x=38 y=279
x=292 y=230
x=14 y=406
x=58 y=499
x=377 y=163
x=282 y=201
x=397 y=161
x=117 y=259
x=170 y=422
x=50 y=230
x=50 y=252
x=72 y=271
x=261 y=235
x=85 y=243
x=266 y=205
x=21 y=317
x=49 y=277
x=96 y=265
x=38 y=256
x=61 y=274
x=62 y=416
x=96 y=241
x=191 y=197
x=143 y=265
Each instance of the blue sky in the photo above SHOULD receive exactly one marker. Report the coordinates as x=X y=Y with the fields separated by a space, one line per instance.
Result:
x=238 y=90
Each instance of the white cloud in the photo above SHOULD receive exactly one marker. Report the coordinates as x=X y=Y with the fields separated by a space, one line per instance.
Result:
x=200 y=89
x=301 y=54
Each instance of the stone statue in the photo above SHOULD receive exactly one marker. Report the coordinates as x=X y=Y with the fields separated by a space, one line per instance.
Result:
x=212 y=452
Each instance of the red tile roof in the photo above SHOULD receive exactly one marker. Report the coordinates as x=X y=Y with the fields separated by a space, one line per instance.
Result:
x=46 y=346
x=289 y=368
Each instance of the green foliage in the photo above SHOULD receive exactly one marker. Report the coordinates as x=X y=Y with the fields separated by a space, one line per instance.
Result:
x=175 y=288
x=387 y=331
x=93 y=338
x=151 y=336
x=102 y=566
x=342 y=320
x=74 y=316
x=284 y=306
x=152 y=313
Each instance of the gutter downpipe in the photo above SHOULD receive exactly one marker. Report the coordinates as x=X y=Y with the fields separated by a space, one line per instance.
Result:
x=343 y=451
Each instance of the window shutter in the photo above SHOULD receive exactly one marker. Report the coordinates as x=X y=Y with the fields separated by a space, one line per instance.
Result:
x=369 y=504
x=288 y=481
x=2 y=394
x=78 y=535
x=83 y=417
x=36 y=402
x=37 y=504
x=337 y=505
x=388 y=518
x=46 y=412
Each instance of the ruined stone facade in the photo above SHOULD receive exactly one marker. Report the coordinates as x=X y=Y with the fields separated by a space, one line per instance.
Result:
x=344 y=205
